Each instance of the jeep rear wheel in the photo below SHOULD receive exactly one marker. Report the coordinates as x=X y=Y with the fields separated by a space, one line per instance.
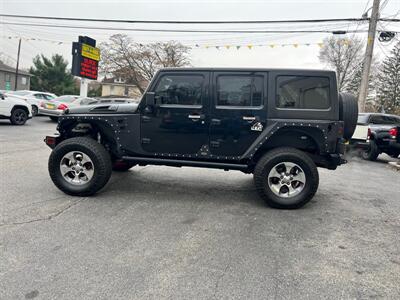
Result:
x=80 y=166
x=286 y=178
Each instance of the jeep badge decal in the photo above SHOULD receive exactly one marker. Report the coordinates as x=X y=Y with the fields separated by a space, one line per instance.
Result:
x=257 y=126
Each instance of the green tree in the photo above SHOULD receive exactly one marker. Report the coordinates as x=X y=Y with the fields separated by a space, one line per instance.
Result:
x=388 y=95
x=52 y=75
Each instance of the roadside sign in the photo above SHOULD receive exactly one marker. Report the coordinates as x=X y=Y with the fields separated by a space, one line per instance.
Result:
x=90 y=52
x=8 y=86
x=85 y=58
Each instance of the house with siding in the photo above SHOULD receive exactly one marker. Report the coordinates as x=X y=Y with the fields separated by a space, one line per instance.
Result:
x=7 y=78
x=117 y=86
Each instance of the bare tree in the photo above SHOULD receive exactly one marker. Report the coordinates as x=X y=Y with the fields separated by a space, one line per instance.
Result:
x=137 y=63
x=345 y=56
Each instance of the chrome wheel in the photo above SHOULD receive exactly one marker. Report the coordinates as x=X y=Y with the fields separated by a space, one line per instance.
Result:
x=76 y=167
x=286 y=179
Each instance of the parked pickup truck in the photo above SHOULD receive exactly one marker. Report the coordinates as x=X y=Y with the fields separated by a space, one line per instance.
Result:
x=383 y=134
x=278 y=124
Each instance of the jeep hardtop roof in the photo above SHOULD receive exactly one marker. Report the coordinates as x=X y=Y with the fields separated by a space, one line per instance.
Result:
x=232 y=69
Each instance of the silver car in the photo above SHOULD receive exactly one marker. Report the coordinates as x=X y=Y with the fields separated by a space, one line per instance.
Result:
x=56 y=107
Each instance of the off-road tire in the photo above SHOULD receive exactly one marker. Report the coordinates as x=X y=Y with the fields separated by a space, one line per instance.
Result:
x=35 y=110
x=122 y=166
x=372 y=153
x=101 y=160
x=271 y=159
x=19 y=116
x=348 y=113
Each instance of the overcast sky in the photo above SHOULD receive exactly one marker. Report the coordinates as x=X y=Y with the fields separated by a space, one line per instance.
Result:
x=288 y=56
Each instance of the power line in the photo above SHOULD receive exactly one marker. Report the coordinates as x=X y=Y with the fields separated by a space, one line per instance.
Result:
x=183 y=30
x=185 y=22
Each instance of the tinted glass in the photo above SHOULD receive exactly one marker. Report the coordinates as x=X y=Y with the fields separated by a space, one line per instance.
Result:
x=66 y=99
x=179 y=89
x=239 y=90
x=391 y=120
x=377 y=120
x=303 y=92
x=47 y=97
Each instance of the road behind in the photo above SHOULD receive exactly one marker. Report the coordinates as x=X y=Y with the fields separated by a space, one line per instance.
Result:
x=159 y=232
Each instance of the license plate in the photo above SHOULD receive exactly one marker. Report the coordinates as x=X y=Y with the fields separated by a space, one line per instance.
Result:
x=50 y=106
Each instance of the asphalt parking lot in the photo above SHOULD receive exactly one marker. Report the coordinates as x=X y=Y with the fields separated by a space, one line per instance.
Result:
x=158 y=232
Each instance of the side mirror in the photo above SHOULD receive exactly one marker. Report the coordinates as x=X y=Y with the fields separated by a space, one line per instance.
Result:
x=150 y=99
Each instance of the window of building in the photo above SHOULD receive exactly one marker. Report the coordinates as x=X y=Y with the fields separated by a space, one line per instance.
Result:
x=24 y=80
x=303 y=92
x=235 y=90
x=179 y=89
x=7 y=77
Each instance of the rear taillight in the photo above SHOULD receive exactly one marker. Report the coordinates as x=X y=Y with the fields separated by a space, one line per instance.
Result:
x=62 y=106
x=393 y=132
x=369 y=134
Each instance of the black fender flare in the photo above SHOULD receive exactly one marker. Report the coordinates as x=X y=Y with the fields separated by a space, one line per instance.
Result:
x=326 y=128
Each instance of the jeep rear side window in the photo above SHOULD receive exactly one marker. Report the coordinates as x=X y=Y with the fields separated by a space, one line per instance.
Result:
x=239 y=90
x=179 y=89
x=303 y=92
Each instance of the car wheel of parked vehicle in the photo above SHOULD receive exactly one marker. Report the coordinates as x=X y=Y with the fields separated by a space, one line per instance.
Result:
x=35 y=110
x=348 y=113
x=122 y=166
x=372 y=153
x=55 y=119
x=18 y=116
x=286 y=178
x=80 y=166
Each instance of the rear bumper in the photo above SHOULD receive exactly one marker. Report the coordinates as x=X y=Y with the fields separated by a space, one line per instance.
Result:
x=50 y=112
x=394 y=144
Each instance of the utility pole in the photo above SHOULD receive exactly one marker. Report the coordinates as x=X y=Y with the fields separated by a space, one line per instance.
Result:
x=368 y=56
x=16 y=69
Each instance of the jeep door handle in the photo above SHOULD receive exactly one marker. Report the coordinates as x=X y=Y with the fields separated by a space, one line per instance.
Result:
x=215 y=122
x=248 y=118
x=196 y=117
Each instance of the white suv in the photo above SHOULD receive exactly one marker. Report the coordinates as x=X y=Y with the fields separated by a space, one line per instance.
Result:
x=16 y=110
x=34 y=98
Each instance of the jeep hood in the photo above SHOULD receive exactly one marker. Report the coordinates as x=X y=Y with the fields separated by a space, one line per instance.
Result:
x=111 y=108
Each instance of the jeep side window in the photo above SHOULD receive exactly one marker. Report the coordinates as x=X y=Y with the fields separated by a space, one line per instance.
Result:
x=303 y=92
x=239 y=90
x=179 y=89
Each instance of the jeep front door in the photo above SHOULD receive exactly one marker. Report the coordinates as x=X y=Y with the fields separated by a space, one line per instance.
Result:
x=238 y=112
x=177 y=125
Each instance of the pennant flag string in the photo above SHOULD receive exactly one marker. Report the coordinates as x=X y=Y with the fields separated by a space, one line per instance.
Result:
x=343 y=41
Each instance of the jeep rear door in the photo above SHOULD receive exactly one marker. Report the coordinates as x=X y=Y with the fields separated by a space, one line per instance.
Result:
x=238 y=111
x=178 y=123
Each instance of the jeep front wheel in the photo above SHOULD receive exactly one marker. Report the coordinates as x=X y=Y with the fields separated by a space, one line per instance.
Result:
x=286 y=178
x=80 y=166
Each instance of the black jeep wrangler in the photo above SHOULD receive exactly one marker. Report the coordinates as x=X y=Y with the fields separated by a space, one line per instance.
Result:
x=279 y=125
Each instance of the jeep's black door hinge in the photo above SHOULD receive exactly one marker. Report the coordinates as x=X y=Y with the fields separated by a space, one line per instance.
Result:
x=145 y=141
x=214 y=144
x=146 y=119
